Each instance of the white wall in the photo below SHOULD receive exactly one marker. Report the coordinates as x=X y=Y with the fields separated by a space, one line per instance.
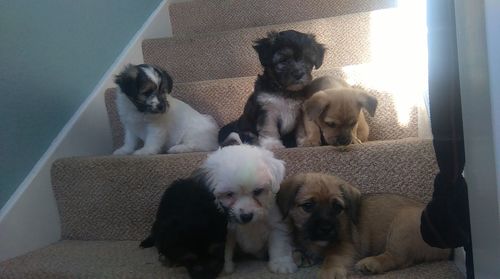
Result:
x=478 y=25
x=30 y=219
x=492 y=11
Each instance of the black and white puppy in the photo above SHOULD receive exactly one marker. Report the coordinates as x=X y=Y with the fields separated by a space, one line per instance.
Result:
x=164 y=123
x=190 y=229
x=271 y=112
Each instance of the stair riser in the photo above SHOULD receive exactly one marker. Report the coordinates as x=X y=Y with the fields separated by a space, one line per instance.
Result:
x=210 y=16
x=115 y=198
x=225 y=100
x=230 y=54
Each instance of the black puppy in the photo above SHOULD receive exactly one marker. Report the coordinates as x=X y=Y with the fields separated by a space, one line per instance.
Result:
x=190 y=230
x=271 y=112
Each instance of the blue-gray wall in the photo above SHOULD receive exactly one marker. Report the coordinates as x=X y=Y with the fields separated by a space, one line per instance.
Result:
x=52 y=54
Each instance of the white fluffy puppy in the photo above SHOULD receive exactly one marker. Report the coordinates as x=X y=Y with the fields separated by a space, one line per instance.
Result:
x=164 y=123
x=245 y=180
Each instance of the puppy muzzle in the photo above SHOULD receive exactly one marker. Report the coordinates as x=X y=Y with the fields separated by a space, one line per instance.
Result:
x=243 y=218
x=246 y=218
x=295 y=87
x=298 y=84
x=323 y=231
x=343 y=140
x=159 y=109
x=340 y=140
x=156 y=104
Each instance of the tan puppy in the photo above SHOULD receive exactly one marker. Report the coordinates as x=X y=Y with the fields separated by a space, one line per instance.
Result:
x=335 y=114
x=332 y=220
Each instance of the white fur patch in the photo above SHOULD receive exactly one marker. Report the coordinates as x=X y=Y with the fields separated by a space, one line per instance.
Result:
x=233 y=167
x=270 y=143
x=153 y=101
x=284 y=109
x=179 y=129
x=151 y=73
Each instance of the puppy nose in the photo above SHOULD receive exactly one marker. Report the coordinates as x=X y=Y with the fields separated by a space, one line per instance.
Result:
x=343 y=140
x=325 y=228
x=246 y=217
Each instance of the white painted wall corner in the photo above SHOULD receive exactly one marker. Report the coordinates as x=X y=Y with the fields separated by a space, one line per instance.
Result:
x=30 y=218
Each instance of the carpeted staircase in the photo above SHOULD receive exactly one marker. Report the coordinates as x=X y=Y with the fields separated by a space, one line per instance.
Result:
x=107 y=204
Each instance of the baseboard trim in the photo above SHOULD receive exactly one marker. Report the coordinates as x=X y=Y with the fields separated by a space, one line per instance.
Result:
x=33 y=201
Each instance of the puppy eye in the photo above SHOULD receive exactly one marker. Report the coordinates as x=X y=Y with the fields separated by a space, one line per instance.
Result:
x=281 y=65
x=308 y=206
x=337 y=208
x=257 y=192
x=229 y=195
x=331 y=124
x=147 y=93
x=284 y=60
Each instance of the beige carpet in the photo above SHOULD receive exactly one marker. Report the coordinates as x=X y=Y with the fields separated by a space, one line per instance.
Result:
x=230 y=53
x=202 y=16
x=125 y=260
x=115 y=197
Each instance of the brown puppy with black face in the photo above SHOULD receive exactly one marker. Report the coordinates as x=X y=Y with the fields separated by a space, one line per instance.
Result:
x=333 y=116
x=333 y=221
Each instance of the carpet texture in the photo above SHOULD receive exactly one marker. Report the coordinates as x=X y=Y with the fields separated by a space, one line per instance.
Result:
x=107 y=203
x=230 y=53
x=205 y=16
x=224 y=100
x=116 y=197
x=125 y=260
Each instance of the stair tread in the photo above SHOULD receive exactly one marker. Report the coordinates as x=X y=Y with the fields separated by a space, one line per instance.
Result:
x=224 y=99
x=209 y=16
x=228 y=54
x=124 y=259
x=116 y=197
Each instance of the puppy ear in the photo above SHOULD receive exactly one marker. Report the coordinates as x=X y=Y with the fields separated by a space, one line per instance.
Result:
x=368 y=102
x=166 y=80
x=318 y=53
x=264 y=49
x=276 y=168
x=126 y=79
x=315 y=105
x=352 y=198
x=286 y=196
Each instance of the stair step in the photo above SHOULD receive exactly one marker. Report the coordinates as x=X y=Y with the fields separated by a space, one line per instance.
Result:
x=216 y=15
x=116 y=197
x=224 y=99
x=230 y=54
x=125 y=260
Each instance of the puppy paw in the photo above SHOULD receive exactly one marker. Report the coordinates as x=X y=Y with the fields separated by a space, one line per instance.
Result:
x=302 y=142
x=144 y=151
x=181 y=148
x=302 y=259
x=369 y=265
x=270 y=143
x=228 y=267
x=123 y=151
x=284 y=265
x=333 y=273
x=232 y=139
x=355 y=140
x=308 y=143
